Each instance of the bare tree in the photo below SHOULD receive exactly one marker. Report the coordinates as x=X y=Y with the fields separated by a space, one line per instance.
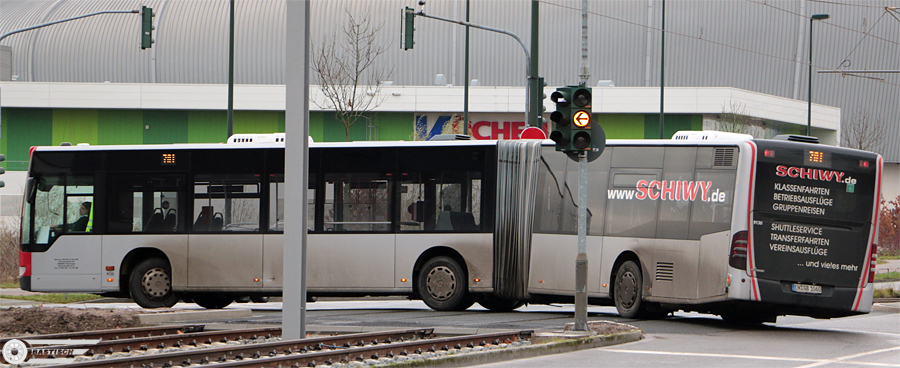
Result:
x=862 y=130
x=734 y=118
x=347 y=73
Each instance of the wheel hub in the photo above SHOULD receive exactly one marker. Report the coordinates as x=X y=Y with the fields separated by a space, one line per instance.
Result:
x=156 y=284
x=441 y=283
x=627 y=289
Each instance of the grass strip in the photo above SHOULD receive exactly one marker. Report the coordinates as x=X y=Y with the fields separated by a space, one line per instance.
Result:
x=55 y=298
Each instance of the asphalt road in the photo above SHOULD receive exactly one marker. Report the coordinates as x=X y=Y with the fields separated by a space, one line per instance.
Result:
x=685 y=340
x=694 y=340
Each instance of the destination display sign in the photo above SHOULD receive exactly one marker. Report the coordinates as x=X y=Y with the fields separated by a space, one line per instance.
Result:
x=811 y=215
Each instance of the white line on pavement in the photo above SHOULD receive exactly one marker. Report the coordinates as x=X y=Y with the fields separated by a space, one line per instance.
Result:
x=815 y=362
x=844 y=359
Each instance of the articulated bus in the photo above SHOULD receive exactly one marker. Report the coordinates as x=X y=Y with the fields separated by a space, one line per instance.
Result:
x=722 y=223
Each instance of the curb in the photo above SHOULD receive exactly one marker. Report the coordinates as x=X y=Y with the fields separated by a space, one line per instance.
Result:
x=886 y=307
x=141 y=320
x=504 y=355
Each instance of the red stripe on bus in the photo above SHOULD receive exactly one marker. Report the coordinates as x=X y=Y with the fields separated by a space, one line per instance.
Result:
x=868 y=261
x=750 y=264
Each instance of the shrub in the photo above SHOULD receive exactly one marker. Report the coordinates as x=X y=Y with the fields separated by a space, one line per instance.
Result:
x=889 y=228
x=9 y=249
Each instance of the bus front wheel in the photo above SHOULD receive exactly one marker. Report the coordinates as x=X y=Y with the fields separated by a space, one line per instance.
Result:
x=150 y=284
x=442 y=285
x=628 y=291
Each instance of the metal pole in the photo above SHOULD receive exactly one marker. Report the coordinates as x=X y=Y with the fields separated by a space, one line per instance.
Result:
x=585 y=70
x=231 y=73
x=519 y=40
x=809 y=84
x=534 y=88
x=662 y=76
x=466 y=79
x=296 y=170
x=581 y=261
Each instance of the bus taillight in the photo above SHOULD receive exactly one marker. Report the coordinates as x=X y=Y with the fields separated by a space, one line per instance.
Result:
x=738 y=257
x=873 y=262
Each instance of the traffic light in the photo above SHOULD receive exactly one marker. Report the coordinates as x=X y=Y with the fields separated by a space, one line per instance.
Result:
x=406 y=37
x=581 y=119
x=146 y=27
x=2 y=170
x=561 y=118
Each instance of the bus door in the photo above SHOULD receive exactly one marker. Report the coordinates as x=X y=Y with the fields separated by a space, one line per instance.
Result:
x=353 y=245
x=225 y=246
x=57 y=231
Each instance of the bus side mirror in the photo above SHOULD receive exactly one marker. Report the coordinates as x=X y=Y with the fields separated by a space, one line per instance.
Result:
x=29 y=190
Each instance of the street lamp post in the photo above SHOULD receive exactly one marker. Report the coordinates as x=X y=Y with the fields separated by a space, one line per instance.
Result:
x=809 y=82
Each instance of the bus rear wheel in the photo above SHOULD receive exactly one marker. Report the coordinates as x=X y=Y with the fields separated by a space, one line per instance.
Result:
x=150 y=284
x=213 y=301
x=628 y=291
x=442 y=285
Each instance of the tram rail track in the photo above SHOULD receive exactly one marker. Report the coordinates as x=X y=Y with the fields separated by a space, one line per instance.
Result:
x=114 y=334
x=255 y=348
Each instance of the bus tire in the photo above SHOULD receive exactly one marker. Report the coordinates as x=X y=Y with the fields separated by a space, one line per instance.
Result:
x=442 y=285
x=150 y=284
x=213 y=301
x=628 y=291
x=496 y=304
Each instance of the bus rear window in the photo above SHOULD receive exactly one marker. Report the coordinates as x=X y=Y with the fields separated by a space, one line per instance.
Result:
x=814 y=182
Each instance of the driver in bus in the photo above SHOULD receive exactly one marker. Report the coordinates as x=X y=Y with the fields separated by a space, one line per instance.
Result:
x=82 y=222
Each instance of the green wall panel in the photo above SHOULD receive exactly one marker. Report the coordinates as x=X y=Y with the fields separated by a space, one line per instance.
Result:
x=317 y=126
x=25 y=128
x=258 y=122
x=621 y=126
x=120 y=127
x=651 y=126
x=395 y=126
x=207 y=126
x=74 y=126
x=165 y=126
x=3 y=134
x=333 y=130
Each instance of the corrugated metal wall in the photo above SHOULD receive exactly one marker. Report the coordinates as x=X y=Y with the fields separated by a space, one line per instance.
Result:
x=755 y=45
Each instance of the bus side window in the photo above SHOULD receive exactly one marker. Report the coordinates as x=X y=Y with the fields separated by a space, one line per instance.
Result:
x=712 y=210
x=227 y=202
x=276 y=203
x=358 y=202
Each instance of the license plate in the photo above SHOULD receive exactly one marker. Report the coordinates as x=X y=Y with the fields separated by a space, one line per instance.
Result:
x=806 y=289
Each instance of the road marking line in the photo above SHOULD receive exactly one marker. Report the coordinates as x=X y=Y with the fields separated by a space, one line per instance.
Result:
x=815 y=362
x=847 y=357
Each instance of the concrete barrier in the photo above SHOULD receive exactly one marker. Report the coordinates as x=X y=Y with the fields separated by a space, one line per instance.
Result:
x=153 y=319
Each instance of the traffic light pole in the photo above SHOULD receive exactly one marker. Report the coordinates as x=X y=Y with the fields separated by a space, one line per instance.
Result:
x=531 y=112
x=68 y=19
x=581 y=260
